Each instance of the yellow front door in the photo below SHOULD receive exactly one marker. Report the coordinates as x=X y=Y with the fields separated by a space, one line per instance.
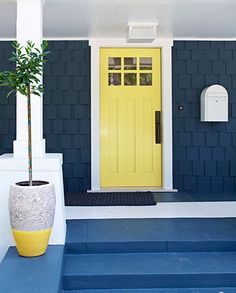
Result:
x=130 y=103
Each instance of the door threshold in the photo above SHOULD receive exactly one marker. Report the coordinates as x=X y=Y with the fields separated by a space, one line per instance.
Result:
x=133 y=189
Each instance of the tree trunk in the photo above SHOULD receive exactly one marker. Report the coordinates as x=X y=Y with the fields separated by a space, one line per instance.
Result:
x=29 y=137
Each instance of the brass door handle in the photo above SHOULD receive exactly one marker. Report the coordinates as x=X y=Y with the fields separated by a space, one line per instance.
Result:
x=158 y=126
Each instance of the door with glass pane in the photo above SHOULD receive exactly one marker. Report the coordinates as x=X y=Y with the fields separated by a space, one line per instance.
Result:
x=130 y=117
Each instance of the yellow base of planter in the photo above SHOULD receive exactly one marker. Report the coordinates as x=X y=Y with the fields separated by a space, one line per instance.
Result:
x=31 y=243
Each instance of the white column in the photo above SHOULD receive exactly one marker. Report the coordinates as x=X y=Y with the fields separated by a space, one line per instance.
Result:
x=167 y=150
x=95 y=119
x=29 y=26
x=14 y=167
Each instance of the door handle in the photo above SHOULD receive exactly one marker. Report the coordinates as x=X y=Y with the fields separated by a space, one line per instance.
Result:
x=158 y=126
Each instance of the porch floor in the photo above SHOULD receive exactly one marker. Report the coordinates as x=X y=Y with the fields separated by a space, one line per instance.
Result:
x=150 y=235
x=150 y=255
x=131 y=255
x=31 y=275
x=194 y=196
x=169 y=205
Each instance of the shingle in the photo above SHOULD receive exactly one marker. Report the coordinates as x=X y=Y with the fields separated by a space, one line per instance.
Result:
x=229 y=184
x=58 y=69
x=205 y=154
x=185 y=81
x=179 y=153
x=178 y=182
x=59 y=45
x=204 y=45
x=78 y=170
x=218 y=45
x=65 y=56
x=218 y=67
x=192 y=45
x=225 y=139
x=78 y=55
x=212 y=54
x=65 y=111
x=179 y=45
x=231 y=67
x=205 y=67
x=190 y=183
x=210 y=168
x=198 y=169
x=57 y=126
x=77 y=83
x=217 y=184
x=225 y=81
x=66 y=141
x=204 y=183
x=226 y=55
x=64 y=83
x=70 y=156
x=180 y=67
x=233 y=168
x=218 y=153
x=223 y=168
x=185 y=168
x=71 y=126
x=51 y=112
x=85 y=156
x=198 y=54
x=185 y=139
x=212 y=139
x=211 y=79
x=198 y=139
x=191 y=67
x=84 y=126
x=71 y=68
x=193 y=154
x=183 y=55
x=198 y=81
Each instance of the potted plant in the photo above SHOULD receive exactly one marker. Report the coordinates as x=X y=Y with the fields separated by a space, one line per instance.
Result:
x=32 y=202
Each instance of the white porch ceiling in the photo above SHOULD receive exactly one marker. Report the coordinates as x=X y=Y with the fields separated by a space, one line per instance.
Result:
x=197 y=19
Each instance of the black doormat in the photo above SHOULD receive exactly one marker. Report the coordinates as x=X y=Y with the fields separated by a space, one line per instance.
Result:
x=109 y=199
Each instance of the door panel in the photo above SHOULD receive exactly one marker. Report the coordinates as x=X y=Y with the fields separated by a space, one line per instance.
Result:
x=130 y=93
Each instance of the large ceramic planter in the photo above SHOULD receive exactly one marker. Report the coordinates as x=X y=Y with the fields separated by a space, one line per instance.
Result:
x=32 y=210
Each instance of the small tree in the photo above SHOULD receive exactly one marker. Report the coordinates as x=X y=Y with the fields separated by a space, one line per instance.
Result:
x=25 y=79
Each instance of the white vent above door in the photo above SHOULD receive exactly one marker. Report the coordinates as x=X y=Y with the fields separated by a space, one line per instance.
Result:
x=141 y=32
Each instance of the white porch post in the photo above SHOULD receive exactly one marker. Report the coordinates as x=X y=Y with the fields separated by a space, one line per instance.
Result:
x=14 y=167
x=29 y=26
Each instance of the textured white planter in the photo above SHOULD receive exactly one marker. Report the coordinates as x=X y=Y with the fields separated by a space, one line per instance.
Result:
x=32 y=210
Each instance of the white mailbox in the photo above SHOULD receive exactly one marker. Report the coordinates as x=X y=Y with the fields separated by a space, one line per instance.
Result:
x=214 y=104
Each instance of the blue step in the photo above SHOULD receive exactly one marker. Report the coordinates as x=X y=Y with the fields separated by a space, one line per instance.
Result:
x=157 y=290
x=149 y=270
x=150 y=235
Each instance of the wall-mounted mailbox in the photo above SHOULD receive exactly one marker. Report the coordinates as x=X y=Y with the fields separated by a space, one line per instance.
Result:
x=214 y=104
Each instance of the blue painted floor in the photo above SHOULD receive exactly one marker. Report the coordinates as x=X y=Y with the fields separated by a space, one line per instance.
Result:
x=31 y=275
x=158 y=290
x=141 y=270
x=131 y=255
x=150 y=235
x=150 y=255
x=194 y=196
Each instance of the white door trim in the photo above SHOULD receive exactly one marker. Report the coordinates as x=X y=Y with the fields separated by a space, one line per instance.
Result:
x=166 y=61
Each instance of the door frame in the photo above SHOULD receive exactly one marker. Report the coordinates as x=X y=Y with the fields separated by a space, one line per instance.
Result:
x=166 y=80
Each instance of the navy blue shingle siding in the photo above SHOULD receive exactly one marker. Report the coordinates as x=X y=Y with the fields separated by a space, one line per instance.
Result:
x=204 y=153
